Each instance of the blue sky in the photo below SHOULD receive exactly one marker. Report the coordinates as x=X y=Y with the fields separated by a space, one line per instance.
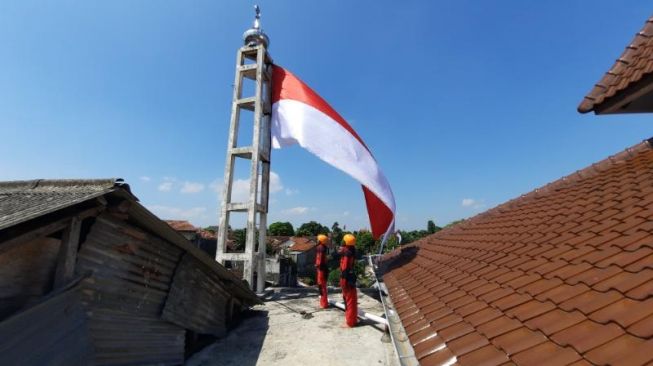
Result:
x=465 y=104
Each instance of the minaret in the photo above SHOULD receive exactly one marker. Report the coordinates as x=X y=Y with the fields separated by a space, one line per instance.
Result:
x=254 y=63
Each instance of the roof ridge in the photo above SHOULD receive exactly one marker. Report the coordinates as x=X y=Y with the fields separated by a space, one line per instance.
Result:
x=584 y=173
x=38 y=183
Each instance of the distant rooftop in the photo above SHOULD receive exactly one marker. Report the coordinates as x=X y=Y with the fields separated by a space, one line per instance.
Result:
x=181 y=225
x=301 y=244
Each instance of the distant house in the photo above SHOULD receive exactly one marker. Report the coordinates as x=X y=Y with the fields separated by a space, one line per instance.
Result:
x=185 y=228
x=303 y=251
x=559 y=276
x=90 y=276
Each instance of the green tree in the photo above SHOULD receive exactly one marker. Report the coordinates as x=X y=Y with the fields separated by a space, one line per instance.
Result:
x=432 y=228
x=281 y=229
x=364 y=242
x=334 y=277
x=239 y=239
x=336 y=233
x=390 y=244
x=311 y=229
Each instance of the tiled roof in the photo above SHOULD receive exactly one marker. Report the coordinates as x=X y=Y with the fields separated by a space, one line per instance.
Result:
x=208 y=235
x=24 y=200
x=562 y=275
x=301 y=244
x=181 y=225
x=635 y=63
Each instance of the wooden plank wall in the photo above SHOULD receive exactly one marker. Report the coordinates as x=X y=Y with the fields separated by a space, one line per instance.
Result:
x=131 y=275
x=26 y=273
x=197 y=300
x=53 y=332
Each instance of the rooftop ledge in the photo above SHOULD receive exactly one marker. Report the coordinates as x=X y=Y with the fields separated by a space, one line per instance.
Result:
x=289 y=329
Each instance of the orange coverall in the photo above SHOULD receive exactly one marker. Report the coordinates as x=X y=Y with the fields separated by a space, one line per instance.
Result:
x=348 y=284
x=322 y=274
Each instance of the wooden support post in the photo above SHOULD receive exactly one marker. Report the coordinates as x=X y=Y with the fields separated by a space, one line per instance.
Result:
x=68 y=253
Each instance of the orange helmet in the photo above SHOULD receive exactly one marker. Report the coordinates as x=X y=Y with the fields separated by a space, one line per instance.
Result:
x=349 y=240
x=322 y=239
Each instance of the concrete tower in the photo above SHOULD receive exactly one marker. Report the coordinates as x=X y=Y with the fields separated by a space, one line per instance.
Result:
x=253 y=63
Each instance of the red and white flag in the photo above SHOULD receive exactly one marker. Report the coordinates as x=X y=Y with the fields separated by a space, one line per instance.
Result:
x=300 y=116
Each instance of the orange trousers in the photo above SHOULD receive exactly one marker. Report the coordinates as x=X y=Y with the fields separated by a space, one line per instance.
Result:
x=350 y=297
x=322 y=287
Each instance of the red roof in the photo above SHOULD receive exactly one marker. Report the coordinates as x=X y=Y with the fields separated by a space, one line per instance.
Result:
x=208 y=235
x=563 y=274
x=634 y=65
x=181 y=225
x=302 y=244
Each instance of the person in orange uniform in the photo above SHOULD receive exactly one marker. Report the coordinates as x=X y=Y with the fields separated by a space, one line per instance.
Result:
x=348 y=280
x=322 y=269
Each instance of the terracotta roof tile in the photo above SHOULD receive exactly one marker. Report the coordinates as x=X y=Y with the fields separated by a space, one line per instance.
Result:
x=428 y=347
x=518 y=340
x=642 y=328
x=577 y=336
x=530 y=310
x=468 y=343
x=181 y=225
x=498 y=326
x=454 y=331
x=436 y=358
x=563 y=271
x=562 y=293
x=635 y=63
x=624 y=312
x=301 y=244
x=481 y=317
x=625 y=281
x=547 y=353
x=581 y=362
x=590 y=301
x=625 y=350
x=484 y=356
x=555 y=320
x=642 y=291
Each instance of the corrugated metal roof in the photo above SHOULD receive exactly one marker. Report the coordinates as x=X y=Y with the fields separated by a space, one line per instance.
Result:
x=126 y=339
x=197 y=299
x=132 y=270
x=38 y=335
x=24 y=200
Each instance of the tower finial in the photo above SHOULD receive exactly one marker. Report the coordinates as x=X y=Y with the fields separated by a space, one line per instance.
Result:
x=257 y=18
x=255 y=35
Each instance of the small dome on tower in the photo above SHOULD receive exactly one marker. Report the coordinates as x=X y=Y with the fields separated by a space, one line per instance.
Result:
x=255 y=35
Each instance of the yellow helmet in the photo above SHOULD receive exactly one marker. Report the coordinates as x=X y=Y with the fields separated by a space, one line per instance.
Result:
x=349 y=239
x=322 y=239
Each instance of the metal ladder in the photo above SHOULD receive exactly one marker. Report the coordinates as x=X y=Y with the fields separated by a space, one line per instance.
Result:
x=259 y=153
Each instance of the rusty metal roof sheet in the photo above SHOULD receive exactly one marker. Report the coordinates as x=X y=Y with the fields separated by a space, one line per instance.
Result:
x=562 y=274
x=38 y=335
x=24 y=200
x=635 y=63
x=21 y=201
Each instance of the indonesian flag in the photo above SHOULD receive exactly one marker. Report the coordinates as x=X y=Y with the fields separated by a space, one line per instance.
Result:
x=300 y=116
